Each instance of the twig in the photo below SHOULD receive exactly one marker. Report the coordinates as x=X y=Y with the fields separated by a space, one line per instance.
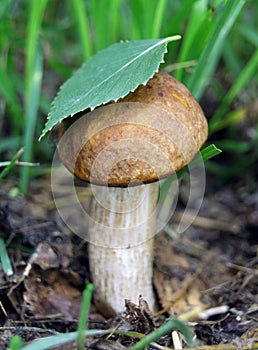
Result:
x=204 y=222
x=33 y=227
x=222 y=309
x=226 y=347
x=159 y=347
x=215 y=347
x=4 y=164
x=27 y=330
x=176 y=341
x=242 y=268
x=3 y=309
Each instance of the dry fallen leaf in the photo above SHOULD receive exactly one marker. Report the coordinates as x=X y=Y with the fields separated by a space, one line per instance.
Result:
x=180 y=279
x=51 y=292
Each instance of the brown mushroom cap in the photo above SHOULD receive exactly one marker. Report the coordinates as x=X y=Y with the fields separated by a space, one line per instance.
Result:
x=148 y=135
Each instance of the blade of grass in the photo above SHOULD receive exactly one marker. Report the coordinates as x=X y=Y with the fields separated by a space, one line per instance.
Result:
x=227 y=16
x=232 y=59
x=151 y=18
x=159 y=18
x=8 y=91
x=33 y=76
x=146 y=20
x=11 y=164
x=179 y=17
x=136 y=27
x=31 y=107
x=210 y=152
x=201 y=38
x=149 y=13
x=147 y=16
x=249 y=33
x=177 y=23
x=172 y=324
x=60 y=339
x=5 y=260
x=196 y=17
x=35 y=18
x=244 y=77
x=100 y=15
x=82 y=22
x=84 y=314
x=206 y=154
x=221 y=121
x=16 y=343
x=114 y=23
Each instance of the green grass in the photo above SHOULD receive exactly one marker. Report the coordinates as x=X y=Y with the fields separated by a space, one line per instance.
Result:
x=210 y=54
x=84 y=314
x=59 y=38
x=223 y=117
x=167 y=328
x=8 y=166
x=81 y=19
x=32 y=86
x=5 y=260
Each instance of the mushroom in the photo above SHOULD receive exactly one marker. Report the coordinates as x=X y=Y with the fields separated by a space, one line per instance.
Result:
x=123 y=149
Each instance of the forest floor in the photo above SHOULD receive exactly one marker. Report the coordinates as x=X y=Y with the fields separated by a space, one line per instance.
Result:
x=207 y=276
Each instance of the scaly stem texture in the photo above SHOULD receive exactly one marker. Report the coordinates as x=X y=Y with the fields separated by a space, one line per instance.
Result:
x=121 y=234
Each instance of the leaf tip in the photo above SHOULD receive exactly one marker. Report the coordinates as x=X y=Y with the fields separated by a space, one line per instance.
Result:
x=174 y=38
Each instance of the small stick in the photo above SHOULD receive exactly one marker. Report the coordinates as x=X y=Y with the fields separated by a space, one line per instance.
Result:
x=3 y=309
x=204 y=315
x=226 y=347
x=17 y=162
x=176 y=341
x=242 y=268
x=204 y=222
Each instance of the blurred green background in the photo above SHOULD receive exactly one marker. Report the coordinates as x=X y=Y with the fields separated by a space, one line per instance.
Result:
x=43 y=42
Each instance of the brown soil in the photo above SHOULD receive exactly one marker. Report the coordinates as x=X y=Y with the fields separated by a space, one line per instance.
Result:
x=207 y=276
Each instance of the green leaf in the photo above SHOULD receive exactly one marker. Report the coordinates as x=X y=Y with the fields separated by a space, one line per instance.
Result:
x=110 y=74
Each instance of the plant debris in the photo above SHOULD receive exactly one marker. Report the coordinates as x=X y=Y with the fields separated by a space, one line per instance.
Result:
x=207 y=277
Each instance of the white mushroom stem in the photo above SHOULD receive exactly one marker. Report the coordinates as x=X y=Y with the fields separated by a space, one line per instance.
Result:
x=121 y=233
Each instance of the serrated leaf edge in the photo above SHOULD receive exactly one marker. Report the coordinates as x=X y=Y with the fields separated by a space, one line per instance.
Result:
x=159 y=43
